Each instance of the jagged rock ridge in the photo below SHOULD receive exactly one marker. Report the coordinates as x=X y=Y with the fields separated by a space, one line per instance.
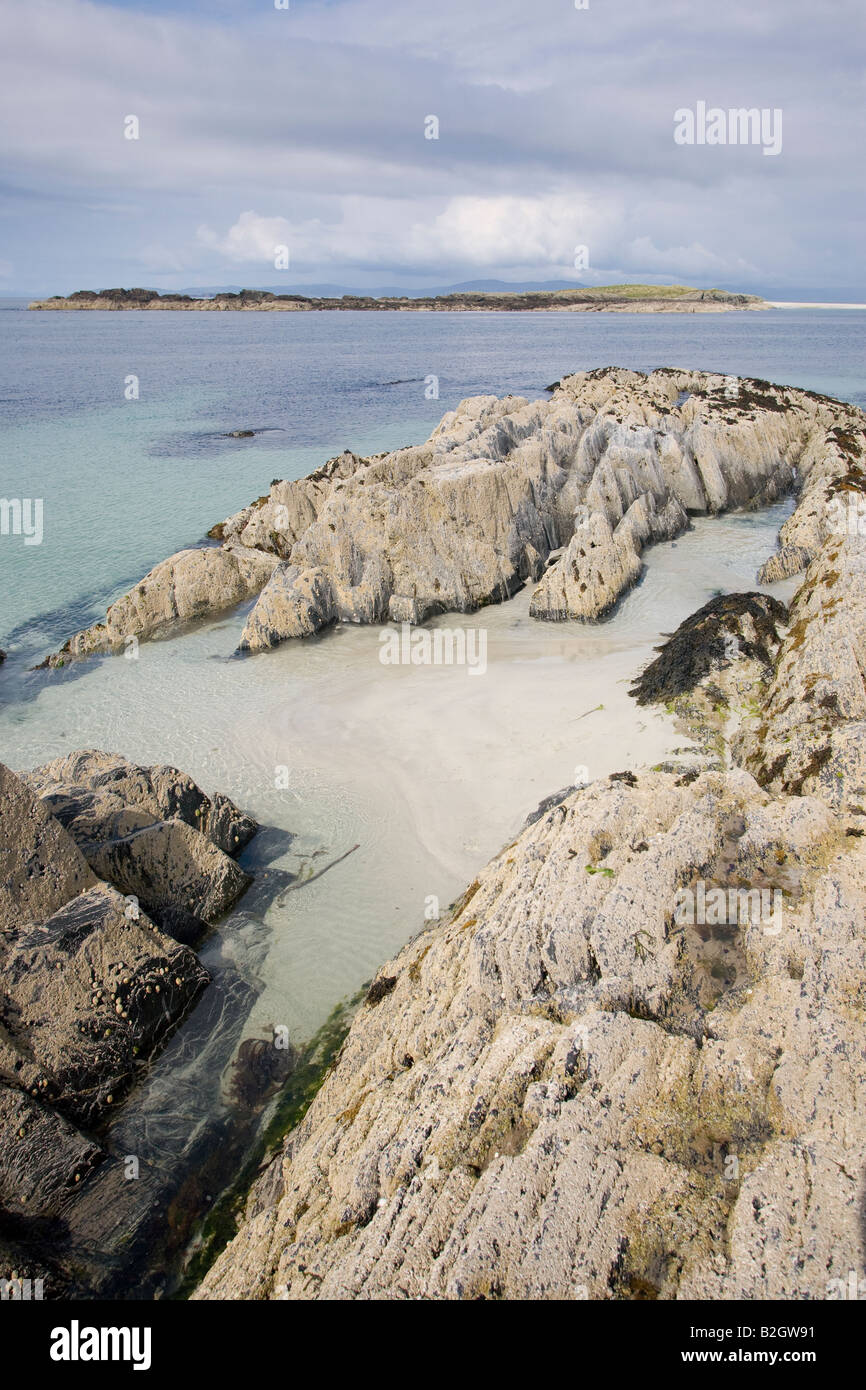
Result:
x=566 y=491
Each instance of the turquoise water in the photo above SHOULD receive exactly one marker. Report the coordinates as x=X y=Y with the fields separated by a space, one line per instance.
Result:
x=126 y=482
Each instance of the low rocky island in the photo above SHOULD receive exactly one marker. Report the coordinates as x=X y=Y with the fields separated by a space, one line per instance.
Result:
x=580 y=1083
x=632 y=299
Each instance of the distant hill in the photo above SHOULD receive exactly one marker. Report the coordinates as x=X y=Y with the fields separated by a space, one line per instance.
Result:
x=328 y=291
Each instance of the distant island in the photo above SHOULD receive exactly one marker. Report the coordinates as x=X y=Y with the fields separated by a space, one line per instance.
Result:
x=641 y=299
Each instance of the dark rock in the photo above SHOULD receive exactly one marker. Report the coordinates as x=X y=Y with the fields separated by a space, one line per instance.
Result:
x=87 y=998
x=708 y=640
x=555 y=799
x=380 y=987
x=258 y=1071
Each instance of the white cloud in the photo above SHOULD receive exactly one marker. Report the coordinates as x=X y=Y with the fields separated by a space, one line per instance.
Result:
x=252 y=238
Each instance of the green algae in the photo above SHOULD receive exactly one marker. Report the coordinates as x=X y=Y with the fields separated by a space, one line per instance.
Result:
x=315 y=1061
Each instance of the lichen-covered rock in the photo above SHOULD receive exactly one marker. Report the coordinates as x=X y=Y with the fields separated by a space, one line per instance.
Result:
x=569 y=1090
x=294 y=603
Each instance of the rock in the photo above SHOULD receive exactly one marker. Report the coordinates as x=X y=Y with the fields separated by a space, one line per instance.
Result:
x=575 y=1088
x=470 y=516
x=88 y=996
x=294 y=603
x=789 y=560
x=152 y=833
x=730 y=627
x=41 y=867
x=91 y=988
x=810 y=737
x=43 y=1160
x=570 y=1092
x=28 y=1276
x=555 y=799
x=161 y=793
x=168 y=866
x=274 y=522
x=191 y=584
x=713 y=674
x=597 y=567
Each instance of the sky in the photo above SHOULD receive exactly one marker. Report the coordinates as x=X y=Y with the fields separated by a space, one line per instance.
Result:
x=287 y=147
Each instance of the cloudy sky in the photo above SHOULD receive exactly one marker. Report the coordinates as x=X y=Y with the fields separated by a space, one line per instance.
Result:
x=305 y=127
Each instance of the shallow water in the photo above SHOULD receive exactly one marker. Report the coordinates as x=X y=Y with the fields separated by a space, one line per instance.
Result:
x=428 y=770
x=127 y=482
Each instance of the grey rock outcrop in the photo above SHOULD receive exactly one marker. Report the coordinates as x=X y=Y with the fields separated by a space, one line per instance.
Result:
x=294 y=603
x=152 y=833
x=192 y=584
x=473 y=514
x=630 y=1064
x=811 y=735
